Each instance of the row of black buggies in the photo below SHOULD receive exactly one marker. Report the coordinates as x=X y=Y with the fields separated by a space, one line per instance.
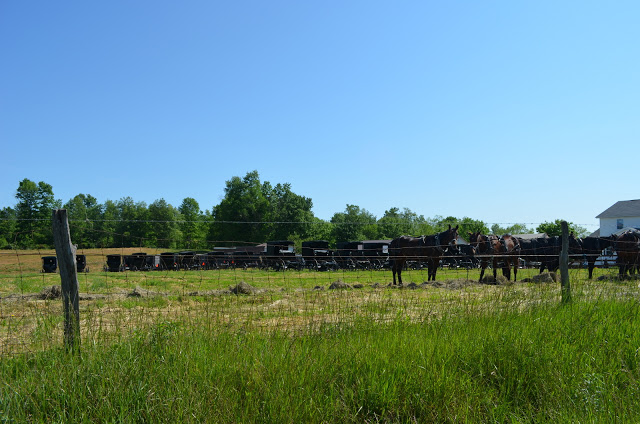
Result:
x=273 y=255
x=278 y=256
x=50 y=264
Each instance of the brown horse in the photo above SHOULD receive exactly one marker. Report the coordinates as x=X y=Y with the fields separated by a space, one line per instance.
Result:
x=627 y=247
x=430 y=248
x=502 y=250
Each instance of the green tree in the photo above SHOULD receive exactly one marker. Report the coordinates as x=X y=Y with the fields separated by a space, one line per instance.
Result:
x=290 y=213
x=468 y=225
x=511 y=229
x=83 y=212
x=192 y=224
x=354 y=224
x=33 y=213
x=133 y=228
x=7 y=227
x=164 y=224
x=107 y=226
x=555 y=228
x=395 y=223
x=243 y=214
x=318 y=229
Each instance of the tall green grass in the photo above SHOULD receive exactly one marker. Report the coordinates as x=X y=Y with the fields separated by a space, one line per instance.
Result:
x=523 y=363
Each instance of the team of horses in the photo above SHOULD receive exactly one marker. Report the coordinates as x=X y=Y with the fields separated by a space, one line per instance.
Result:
x=506 y=251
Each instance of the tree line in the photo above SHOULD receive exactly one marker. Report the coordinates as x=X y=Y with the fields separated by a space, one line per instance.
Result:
x=251 y=211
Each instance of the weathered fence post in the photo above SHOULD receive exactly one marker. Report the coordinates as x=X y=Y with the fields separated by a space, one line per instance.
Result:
x=66 y=254
x=564 y=264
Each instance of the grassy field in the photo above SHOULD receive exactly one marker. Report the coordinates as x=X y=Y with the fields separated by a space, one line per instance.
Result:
x=182 y=346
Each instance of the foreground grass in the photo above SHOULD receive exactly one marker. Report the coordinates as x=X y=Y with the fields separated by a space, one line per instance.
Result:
x=543 y=363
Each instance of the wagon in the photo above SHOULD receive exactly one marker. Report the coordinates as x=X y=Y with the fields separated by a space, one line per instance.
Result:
x=114 y=263
x=318 y=256
x=49 y=264
x=81 y=263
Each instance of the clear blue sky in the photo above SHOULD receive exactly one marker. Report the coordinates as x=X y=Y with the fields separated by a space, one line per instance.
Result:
x=503 y=111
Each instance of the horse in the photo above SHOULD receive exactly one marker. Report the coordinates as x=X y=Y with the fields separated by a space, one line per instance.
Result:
x=432 y=247
x=627 y=246
x=546 y=250
x=592 y=247
x=505 y=249
x=461 y=256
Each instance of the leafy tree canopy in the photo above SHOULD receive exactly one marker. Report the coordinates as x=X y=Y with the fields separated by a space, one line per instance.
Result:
x=252 y=211
x=395 y=223
x=555 y=228
x=34 y=209
x=512 y=229
x=353 y=224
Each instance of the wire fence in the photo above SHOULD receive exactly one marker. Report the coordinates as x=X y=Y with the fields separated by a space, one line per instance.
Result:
x=272 y=287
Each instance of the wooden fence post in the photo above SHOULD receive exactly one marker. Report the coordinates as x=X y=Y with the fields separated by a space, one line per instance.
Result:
x=564 y=264
x=66 y=253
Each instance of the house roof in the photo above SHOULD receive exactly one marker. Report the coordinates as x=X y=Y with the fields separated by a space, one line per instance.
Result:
x=621 y=209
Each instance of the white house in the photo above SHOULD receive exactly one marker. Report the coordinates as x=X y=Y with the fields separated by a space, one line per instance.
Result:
x=623 y=214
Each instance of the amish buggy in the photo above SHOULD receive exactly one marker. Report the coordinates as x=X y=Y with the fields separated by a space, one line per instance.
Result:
x=280 y=255
x=348 y=254
x=317 y=256
x=376 y=253
x=49 y=264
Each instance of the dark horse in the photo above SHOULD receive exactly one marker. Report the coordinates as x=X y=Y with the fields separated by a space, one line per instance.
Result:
x=592 y=247
x=430 y=248
x=546 y=250
x=627 y=247
x=504 y=249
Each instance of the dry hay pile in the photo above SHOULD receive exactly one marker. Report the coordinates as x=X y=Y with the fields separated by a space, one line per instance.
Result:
x=48 y=293
x=243 y=288
x=547 y=277
x=339 y=285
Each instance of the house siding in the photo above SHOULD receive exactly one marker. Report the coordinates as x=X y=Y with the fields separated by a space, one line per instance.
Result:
x=609 y=226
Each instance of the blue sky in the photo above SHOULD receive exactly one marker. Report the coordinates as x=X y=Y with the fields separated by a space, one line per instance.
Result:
x=503 y=111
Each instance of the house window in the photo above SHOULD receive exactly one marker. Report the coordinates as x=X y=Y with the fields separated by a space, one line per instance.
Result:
x=619 y=224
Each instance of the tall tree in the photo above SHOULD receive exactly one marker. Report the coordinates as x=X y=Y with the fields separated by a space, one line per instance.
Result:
x=7 y=227
x=243 y=213
x=354 y=224
x=511 y=229
x=469 y=225
x=192 y=224
x=107 y=226
x=84 y=212
x=33 y=213
x=290 y=213
x=134 y=227
x=555 y=228
x=395 y=223
x=164 y=230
